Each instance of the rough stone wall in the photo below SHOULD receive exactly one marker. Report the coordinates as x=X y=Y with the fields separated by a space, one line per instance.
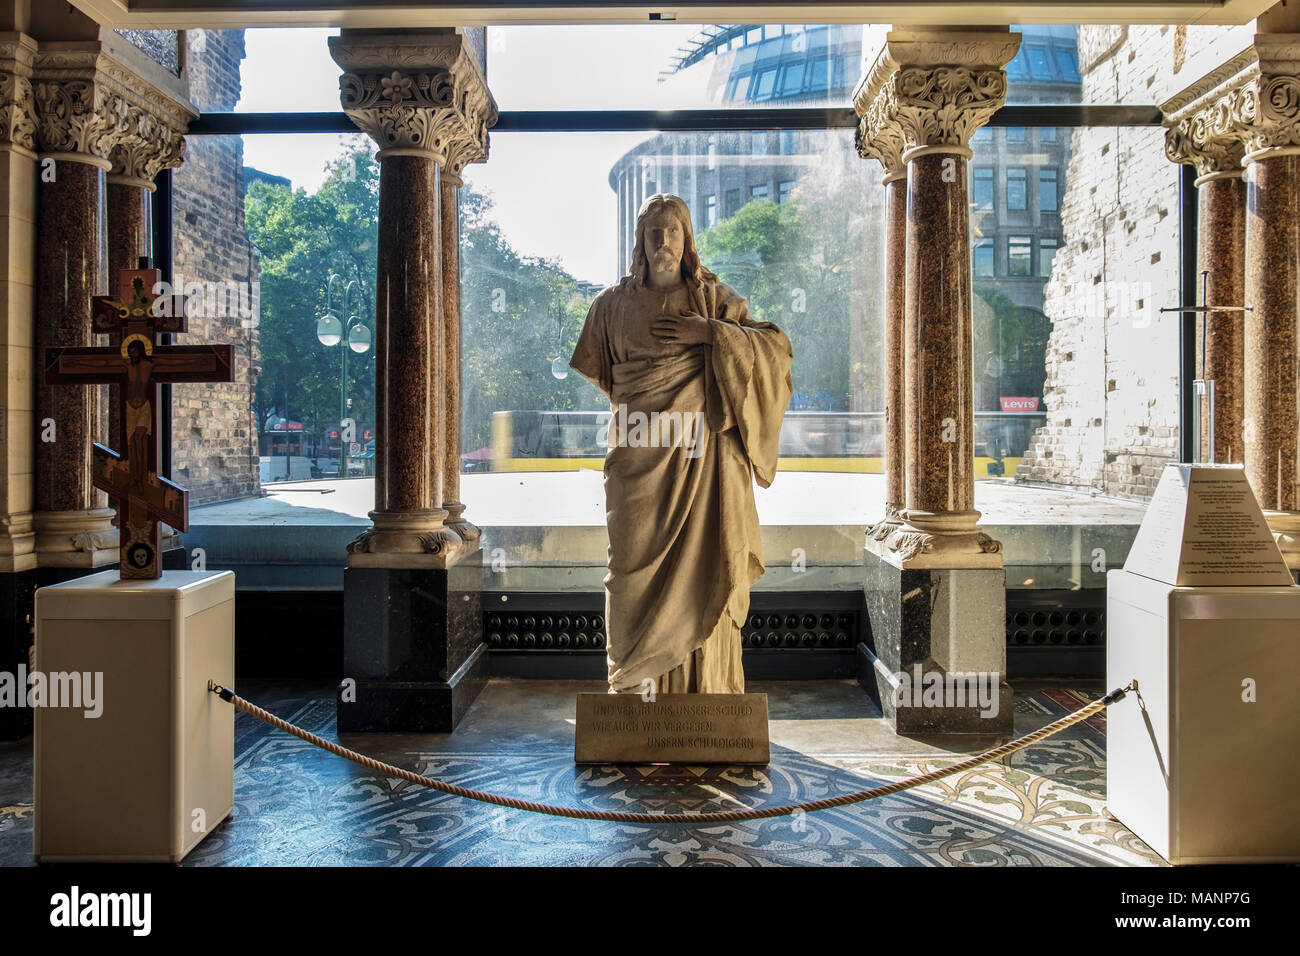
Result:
x=214 y=434
x=1111 y=393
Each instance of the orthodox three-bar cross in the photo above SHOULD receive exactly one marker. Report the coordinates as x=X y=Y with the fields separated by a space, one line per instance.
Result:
x=139 y=365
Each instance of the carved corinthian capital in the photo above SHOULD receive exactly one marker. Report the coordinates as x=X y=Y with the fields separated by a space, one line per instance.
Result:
x=930 y=88
x=101 y=100
x=1251 y=102
x=416 y=93
x=145 y=148
x=1195 y=142
x=17 y=101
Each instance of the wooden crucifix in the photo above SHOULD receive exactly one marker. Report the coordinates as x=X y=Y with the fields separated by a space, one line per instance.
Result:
x=138 y=365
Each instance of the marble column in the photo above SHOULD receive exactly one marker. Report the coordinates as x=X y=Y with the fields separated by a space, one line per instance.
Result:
x=1247 y=112
x=412 y=589
x=451 y=183
x=1221 y=224
x=1269 y=339
x=935 y=582
x=883 y=141
x=76 y=131
x=94 y=99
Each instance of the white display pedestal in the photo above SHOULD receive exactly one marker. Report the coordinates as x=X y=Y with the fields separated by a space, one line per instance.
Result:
x=1203 y=763
x=154 y=773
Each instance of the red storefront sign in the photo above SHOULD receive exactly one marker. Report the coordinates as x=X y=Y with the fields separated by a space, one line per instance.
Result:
x=1014 y=404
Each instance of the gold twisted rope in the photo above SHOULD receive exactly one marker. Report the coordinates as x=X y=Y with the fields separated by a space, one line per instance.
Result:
x=687 y=819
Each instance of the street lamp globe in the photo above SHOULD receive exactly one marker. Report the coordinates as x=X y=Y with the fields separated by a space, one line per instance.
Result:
x=358 y=336
x=329 y=330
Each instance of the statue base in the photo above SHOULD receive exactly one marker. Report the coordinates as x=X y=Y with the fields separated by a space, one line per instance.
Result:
x=672 y=729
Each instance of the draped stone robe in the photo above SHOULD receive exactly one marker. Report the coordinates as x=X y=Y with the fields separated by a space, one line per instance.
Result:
x=684 y=542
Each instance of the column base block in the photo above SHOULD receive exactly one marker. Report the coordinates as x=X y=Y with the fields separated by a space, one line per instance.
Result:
x=413 y=651
x=935 y=661
x=413 y=706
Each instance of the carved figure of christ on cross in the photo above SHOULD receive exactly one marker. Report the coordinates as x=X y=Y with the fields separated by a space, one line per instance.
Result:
x=138 y=365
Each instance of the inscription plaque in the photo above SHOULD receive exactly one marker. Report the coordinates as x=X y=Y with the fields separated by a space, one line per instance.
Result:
x=1204 y=527
x=672 y=728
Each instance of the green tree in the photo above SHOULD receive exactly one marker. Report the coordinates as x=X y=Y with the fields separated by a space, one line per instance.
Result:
x=518 y=314
x=302 y=238
x=794 y=269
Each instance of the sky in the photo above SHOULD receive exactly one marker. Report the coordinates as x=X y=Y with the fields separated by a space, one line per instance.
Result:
x=551 y=191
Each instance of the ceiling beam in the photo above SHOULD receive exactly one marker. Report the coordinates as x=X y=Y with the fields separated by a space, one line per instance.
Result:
x=217 y=14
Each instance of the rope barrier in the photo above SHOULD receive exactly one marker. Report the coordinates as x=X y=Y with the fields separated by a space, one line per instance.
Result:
x=658 y=819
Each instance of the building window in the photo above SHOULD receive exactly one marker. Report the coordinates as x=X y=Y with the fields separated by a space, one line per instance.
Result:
x=789 y=142
x=819 y=77
x=711 y=153
x=758 y=192
x=1017 y=198
x=792 y=79
x=764 y=84
x=983 y=256
x=982 y=135
x=1019 y=251
x=732 y=202
x=1046 y=250
x=758 y=143
x=1039 y=65
x=784 y=189
x=1068 y=63
x=982 y=191
x=1047 y=134
x=1047 y=190
x=1016 y=134
x=710 y=211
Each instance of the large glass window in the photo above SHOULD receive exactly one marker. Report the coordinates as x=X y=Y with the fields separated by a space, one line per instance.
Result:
x=532 y=261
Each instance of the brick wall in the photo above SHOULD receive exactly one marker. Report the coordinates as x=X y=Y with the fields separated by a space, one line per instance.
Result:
x=1111 y=393
x=214 y=435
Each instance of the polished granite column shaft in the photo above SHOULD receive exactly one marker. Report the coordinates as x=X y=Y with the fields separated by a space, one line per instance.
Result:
x=73 y=521
x=413 y=655
x=1221 y=224
x=1269 y=343
x=451 y=184
x=934 y=583
x=895 y=324
x=409 y=311
x=940 y=483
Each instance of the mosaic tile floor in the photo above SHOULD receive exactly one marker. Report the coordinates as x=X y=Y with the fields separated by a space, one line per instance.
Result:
x=296 y=805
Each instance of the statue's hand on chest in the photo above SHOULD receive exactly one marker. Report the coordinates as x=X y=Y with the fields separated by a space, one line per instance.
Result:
x=676 y=325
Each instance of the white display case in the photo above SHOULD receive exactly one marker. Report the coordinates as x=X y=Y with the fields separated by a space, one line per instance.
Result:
x=153 y=774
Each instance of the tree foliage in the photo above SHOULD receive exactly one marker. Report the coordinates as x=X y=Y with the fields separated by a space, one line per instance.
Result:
x=302 y=239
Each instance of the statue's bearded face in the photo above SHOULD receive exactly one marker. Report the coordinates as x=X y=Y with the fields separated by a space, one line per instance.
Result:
x=665 y=240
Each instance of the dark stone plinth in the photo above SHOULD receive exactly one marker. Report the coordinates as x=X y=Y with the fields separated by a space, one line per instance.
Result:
x=413 y=644
x=926 y=617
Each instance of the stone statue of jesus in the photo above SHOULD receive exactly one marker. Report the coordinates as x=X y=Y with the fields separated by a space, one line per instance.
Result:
x=698 y=391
